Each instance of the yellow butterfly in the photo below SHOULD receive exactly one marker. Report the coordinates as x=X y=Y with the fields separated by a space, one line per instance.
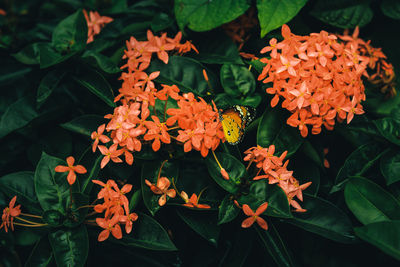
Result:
x=234 y=121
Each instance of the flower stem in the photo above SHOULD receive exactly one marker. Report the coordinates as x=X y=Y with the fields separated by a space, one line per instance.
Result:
x=31 y=215
x=27 y=221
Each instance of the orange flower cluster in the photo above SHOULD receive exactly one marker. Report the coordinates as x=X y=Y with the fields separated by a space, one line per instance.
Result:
x=384 y=75
x=95 y=23
x=275 y=172
x=132 y=122
x=115 y=208
x=318 y=78
x=9 y=213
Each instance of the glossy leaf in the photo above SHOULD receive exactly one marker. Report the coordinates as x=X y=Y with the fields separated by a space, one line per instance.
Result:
x=100 y=61
x=49 y=56
x=150 y=172
x=233 y=166
x=204 y=15
x=390 y=166
x=21 y=184
x=29 y=55
x=273 y=130
x=274 y=13
x=70 y=246
x=343 y=13
x=369 y=202
x=227 y=210
x=52 y=188
x=53 y=218
x=184 y=72
x=237 y=80
x=274 y=245
x=41 y=255
x=391 y=8
x=71 y=33
x=148 y=234
x=85 y=124
x=325 y=219
x=204 y=223
x=47 y=86
x=389 y=129
x=383 y=235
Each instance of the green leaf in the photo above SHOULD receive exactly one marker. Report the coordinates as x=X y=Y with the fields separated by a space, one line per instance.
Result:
x=369 y=202
x=52 y=188
x=29 y=55
x=274 y=13
x=150 y=171
x=85 y=124
x=49 y=56
x=204 y=15
x=71 y=33
x=390 y=166
x=41 y=255
x=70 y=246
x=278 y=205
x=227 y=211
x=76 y=215
x=204 y=223
x=325 y=219
x=94 y=171
x=237 y=80
x=100 y=61
x=17 y=115
x=274 y=245
x=273 y=130
x=383 y=235
x=238 y=249
x=343 y=13
x=389 y=129
x=161 y=22
x=53 y=218
x=148 y=234
x=358 y=163
x=47 y=85
x=97 y=84
x=184 y=72
x=21 y=184
x=232 y=165
x=391 y=8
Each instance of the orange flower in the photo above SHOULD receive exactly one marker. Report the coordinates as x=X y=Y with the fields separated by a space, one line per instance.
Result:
x=193 y=201
x=161 y=188
x=9 y=213
x=110 y=153
x=71 y=169
x=95 y=22
x=255 y=216
x=3 y=12
x=98 y=136
x=128 y=220
x=109 y=226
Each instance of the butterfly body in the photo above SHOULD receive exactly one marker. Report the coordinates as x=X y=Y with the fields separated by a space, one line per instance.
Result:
x=234 y=121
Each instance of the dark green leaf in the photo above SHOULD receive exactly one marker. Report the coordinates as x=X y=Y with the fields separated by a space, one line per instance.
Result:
x=148 y=234
x=21 y=184
x=71 y=33
x=383 y=235
x=239 y=249
x=100 y=61
x=369 y=202
x=204 y=223
x=85 y=124
x=204 y=15
x=52 y=188
x=47 y=85
x=53 y=218
x=233 y=166
x=274 y=13
x=237 y=80
x=390 y=166
x=343 y=13
x=184 y=72
x=94 y=171
x=41 y=255
x=70 y=246
x=161 y=22
x=49 y=56
x=75 y=214
x=273 y=130
x=150 y=172
x=29 y=55
x=389 y=129
x=97 y=84
x=325 y=219
x=391 y=8
x=273 y=243
x=227 y=210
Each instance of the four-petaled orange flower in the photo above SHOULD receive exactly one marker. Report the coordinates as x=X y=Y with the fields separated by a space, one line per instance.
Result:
x=71 y=169
x=110 y=153
x=161 y=188
x=110 y=226
x=255 y=216
x=9 y=213
x=99 y=136
x=192 y=202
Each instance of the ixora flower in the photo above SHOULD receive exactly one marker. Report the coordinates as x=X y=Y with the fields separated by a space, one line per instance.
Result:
x=95 y=23
x=161 y=188
x=193 y=201
x=9 y=213
x=71 y=169
x=255 y=216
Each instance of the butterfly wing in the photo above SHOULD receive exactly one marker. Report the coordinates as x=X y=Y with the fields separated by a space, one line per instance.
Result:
x=232 y=125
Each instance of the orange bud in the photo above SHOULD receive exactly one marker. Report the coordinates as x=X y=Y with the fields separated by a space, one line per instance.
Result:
x=205 y=75
x=224 y=174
